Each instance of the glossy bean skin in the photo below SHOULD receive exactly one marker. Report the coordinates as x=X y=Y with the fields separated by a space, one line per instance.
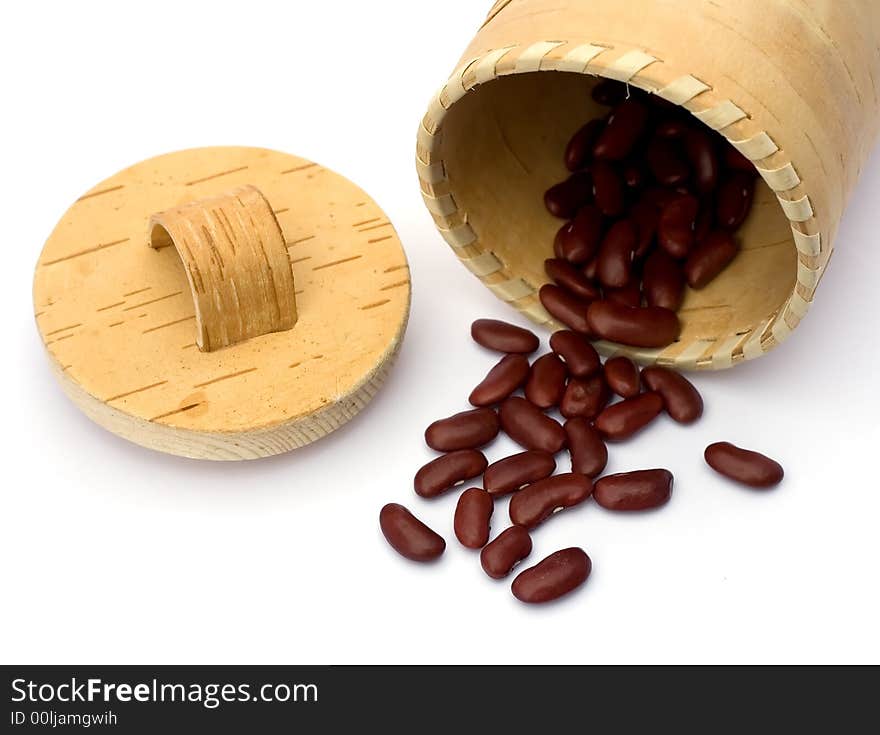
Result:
x=607 y=189
x=445 y=472
x=564 y=199
x=639 y=490
x=529 y=427
x=622 y=420
x=666 y=164
x=579 y=150
x=675 y=228
x=700 y=152
x=580 y=357
x=472 y=520
x=709 y=258
x=466 y=430
x=663 y=281
x=734 y=200
x=503 y=337
x=744 y=465
x=630 y=295
x=616 y=254
x=507 y=376
x=622 y=376
x=645 y=214
x=625 y=126
x=408 y=536
x=672 y=129
x=681 y=399
x=546 y=382
x=585 y=397
x=736 y=161
x=589 y=455
x=500 y=556
x=567 y=308
x=512 y=473
x=578 y=240
x=651 y=326
x=591 y=268
x=537 y=502
x=609 y=92
x=557 y=575
x=571 y=279
x=634 y=173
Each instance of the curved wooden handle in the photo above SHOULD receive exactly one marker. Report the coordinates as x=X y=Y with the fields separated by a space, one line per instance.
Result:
x=236 y=263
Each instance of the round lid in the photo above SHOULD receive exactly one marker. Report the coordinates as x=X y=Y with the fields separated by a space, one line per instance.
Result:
x=222 y=303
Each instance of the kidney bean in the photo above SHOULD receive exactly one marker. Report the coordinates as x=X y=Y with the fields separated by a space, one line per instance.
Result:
x=449 y=470
x=503 y=337
x=546 y=382
x=557 y=575
x=675 y=228
x=663 y=281
x=620 y=421
x=672 y=128
x=634 y=173
x=591 y=268
x=584 y=397
x=578 y=240
x=465 y=430
x=506 y=551
x=571 y=279
x=699 y=149
x=564 y=199
x=744 y=465
x=616 y=254
x=736 y=161
x=580 y=357
x=652 y=326
x=629 y=296
x=640 y=490
x=625 y=126
x=473 y=513
x=644 y=215
x=709 y=258
x=734 y=200
x=680 y=399
x=666 y=163
x=408 y=536
x=567 y=308
x=609 y=92
x=607 y=189
x=509 y=374
x=513 y=473
x=536 y=503
x=579 y=150
x=529 y=427
x=622 y=376
x=705 y=221
x=589 y=455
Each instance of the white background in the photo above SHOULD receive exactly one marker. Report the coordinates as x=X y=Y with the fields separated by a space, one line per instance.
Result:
x=113 y=553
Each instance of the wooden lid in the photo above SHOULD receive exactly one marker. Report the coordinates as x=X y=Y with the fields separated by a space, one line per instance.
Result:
x=279 y=325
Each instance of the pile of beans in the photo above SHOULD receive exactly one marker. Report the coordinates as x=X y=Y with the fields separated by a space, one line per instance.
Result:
x=601 y=403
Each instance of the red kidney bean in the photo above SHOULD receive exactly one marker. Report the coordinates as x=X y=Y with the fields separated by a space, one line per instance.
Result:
x=651 y=326
x=663 y=281
x=546 y=382
x=580 y=148
x=571 y=279
x=736 y=161
x=445 y=472
x=607 y=189
x=620 y=421
x=589 y=455
x=609 y=92
x=500 y=556
x=705 y=221
x=567 y=197
x=465 y=430
x=536 y=503
x=675 y=229
x=709 y=258
x=509 y=374
x=680 y=399
x=408 y=536
x=671 y=129
x=591 y=268
x=503 y=337
x=473 y=514
x=665 y=163
x=734 y=200
x=513 y=473
x=578 y=240
x=699 y=149
x=625 y=126
x=557 y=575
x=580 y=357
x=529 y=427
x=616 y=254
x=640 y=490
x=644 y=215
x=744 y=465
x=630 y=295
x=634 y=173
x=622 y=376
x=568 y=309
x=584 y=397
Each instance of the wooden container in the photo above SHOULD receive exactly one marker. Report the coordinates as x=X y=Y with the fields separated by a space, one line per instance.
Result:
x=795 y=86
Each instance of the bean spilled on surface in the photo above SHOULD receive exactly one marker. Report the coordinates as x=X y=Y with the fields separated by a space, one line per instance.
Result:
x=445 y=472
x=466 y=430
x=621 y=420
x=408 y=536
x=639 y=490
x=744 y=465
x=473 y=515
x=502 y=554
x=555 y=576
x=528 y=426
x=546 y=382
x=507 y=376
x=540 y=500
x=512 y=473
x=580 y=357
x=589 y=455
x=503 y=337
x=681 y=400
x=622 y=376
